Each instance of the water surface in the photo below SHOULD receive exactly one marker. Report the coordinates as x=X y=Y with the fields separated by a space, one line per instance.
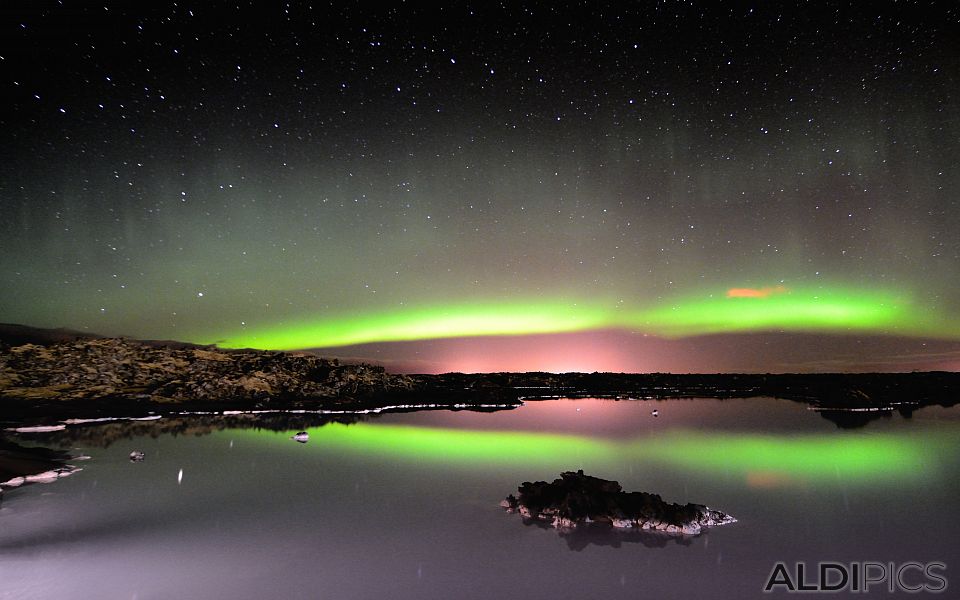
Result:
x=404 y=505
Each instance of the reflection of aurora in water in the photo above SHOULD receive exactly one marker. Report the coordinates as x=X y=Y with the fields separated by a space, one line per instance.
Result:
x=761 y=459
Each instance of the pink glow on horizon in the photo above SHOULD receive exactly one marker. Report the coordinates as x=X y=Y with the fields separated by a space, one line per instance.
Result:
x=594 y=351
x=756 y=292
x=622 y=351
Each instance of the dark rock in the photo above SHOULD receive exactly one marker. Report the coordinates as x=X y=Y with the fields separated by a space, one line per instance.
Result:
x=96 y=370
x=576 y=499
x=872 y=395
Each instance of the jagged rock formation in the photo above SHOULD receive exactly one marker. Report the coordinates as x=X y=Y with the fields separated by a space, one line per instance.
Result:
x=576 y=499
x=113 y=368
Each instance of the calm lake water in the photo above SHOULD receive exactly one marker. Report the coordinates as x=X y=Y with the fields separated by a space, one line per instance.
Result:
x=405 y=505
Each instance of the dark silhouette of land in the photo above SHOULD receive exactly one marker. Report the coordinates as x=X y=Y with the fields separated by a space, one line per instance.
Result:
x=847 y=399
x=576 y=499
x=48 y=375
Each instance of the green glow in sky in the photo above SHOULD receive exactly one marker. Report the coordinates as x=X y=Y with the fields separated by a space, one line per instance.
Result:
x=424 y=323
x=836 y=310
x=853 y=458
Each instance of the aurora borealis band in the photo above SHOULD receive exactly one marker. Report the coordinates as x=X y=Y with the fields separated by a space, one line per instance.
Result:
x=481 y=187
x=821 y=311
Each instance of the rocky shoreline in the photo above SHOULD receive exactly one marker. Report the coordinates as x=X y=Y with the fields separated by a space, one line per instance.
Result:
x=576 y=499
x=47 y=377
x=127 y=377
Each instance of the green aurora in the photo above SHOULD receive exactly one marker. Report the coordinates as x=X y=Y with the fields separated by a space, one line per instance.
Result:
x=835 y=310
x=375 y=187
x=852 y=459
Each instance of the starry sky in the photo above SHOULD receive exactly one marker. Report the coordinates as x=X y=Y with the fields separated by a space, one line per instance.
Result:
x=667 y=186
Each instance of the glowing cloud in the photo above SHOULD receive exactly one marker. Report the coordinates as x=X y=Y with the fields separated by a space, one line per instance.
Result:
x=755 y=293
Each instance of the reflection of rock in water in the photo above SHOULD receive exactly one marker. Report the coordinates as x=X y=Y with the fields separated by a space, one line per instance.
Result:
x=21 y=465
x=848 y=419
x=103 y=435
x=600 y=534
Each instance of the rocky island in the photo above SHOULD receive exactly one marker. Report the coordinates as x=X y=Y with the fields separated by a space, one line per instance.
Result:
x=575 y=499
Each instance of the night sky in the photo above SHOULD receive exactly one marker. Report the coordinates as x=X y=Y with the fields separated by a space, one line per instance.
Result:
x=559 y=186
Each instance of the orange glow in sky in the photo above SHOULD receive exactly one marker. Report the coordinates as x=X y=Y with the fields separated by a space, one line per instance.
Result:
x=755 y=292
x=768 y=479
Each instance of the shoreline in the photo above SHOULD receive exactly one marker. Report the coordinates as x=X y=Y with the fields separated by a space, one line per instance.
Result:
x=110 y=378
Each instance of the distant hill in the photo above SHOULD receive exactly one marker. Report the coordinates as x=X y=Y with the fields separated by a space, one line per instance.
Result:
x=16 y=335
x=12 y=334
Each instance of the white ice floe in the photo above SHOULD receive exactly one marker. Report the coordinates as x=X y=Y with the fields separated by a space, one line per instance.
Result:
x=106 y=419
x=63 y=424
x=358 y=411
x=37 y=428
x=45 y=477
x=230 y=413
